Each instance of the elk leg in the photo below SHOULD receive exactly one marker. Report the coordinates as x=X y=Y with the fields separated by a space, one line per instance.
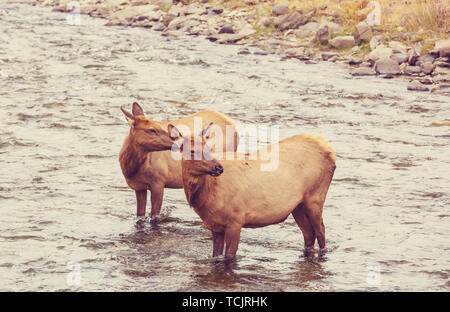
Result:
x=232 y=236
x=156 y=197
x=314 y=212
x=218 y=242
x=141 y=200
x=305 y=226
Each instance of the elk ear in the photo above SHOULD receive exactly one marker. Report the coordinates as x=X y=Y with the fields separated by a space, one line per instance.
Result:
x=205 y=132
x=174 y=133
x=128 y=116
x=137 y=109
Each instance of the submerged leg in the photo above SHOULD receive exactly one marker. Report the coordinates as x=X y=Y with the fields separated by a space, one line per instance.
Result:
x=314 y=212
x=305 y=226
x=157 y=197
x=218 y=242
x=232 y=237
x=141 y=200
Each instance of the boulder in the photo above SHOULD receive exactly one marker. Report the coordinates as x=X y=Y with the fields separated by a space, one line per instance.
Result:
x=400 y=57
x=412 y=70
x=427 y=68
x=280 y=9
x=134 y=14
x=380 y=52
x=398 y=47
x=342 y=42
x=375 y=41
x=387 y=66
x=328 y=55
x=442 y=47
x=166 y=19
x=333 y=28
x=322 y=35
x=363 y=32
x=363 y=71
x=413 y=55
x=292 y=21
x=416 y=86
x=306 y=30
x=231 y=38
x=226 y=29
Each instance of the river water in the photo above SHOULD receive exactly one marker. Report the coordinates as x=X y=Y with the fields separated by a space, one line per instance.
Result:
x=68 y=218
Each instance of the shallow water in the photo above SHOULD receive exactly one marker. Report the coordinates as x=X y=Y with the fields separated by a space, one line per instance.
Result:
x=63 y=198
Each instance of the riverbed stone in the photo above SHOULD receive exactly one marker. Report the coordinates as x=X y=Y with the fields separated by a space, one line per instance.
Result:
x=398 y=47
x=413 y=55
x=306 y=30
x=442 y=47
x=226 y=29
x=363 y=33
x=375 y=41
x=427 y=68
x=292 y=21
x=135 y=13
x=322 y=35
x=363 y=71
x=412 y=70
x=280 y=9
x=333 y=28
x=387 y=66
x=216 y=10
x=400 y=57
x=416 y=86
x=328 y=55
x=342 y=42
x=380 y=52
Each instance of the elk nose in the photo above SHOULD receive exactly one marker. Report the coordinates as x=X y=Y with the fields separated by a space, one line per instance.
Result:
x=219 y=169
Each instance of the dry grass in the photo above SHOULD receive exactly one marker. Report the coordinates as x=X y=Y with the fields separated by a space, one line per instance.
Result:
x=412 y=21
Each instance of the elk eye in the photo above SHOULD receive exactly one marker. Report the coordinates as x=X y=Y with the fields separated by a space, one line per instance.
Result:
x=150 y=131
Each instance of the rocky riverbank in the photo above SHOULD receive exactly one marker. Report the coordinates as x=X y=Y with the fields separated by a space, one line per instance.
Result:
x=303 y=34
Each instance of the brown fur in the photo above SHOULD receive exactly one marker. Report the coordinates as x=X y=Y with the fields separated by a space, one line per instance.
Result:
x=147 y=163
x=245 y=196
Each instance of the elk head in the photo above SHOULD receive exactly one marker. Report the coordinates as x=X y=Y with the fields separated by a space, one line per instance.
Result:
x=145 y=133
x=196 y=154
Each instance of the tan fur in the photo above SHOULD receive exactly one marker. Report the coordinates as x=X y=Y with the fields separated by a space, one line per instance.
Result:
x=155 y=170
x=245 y=196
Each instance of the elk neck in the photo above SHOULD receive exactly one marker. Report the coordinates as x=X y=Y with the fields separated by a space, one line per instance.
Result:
x=131 y=157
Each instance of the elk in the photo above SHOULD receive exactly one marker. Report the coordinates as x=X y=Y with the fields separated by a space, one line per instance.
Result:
x=145 y=157
x=234 y=192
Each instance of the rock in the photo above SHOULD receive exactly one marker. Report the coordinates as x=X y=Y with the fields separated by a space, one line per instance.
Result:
x=413 y=55
x=387 y=66
x=260 y=52
x=166 y=19
x=363 y=71
x=375 y=41
x=194 y=9
x=322 y=35
x=217 y=10
x=292 y=21
x=412 y=70
x=426 y=81
x=327 y=55
x=306 y=30
x=363 y=32
x=441 y=71
x=227 y=29
x=380 y=52
x=182 y=22
x=441 y=79
x=280 y=9
x=416 y=86
x=400 y=57
x=231 y=38
x=342 y=42
x=134 y=14
x=244 y=51
x=333 y=28
x=398 y=47
x=296 y=52
x=266 y=21
x=427 y=68
x=424 y=59
x=442 y=47
x=159 y=27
